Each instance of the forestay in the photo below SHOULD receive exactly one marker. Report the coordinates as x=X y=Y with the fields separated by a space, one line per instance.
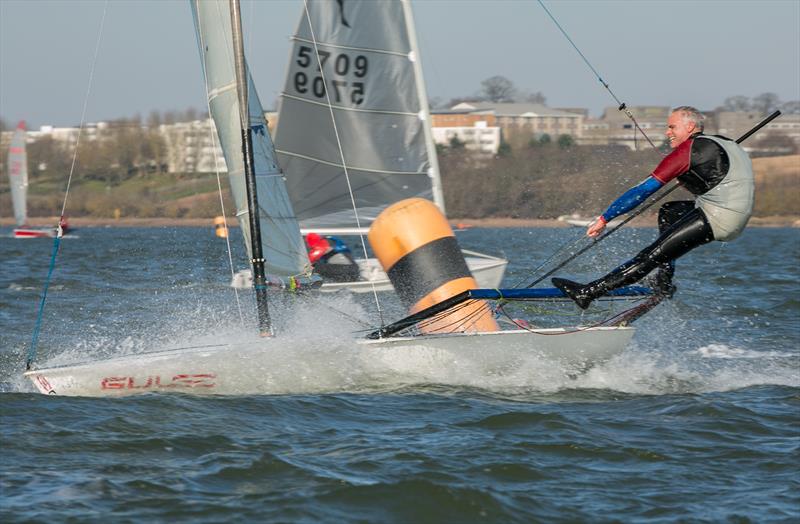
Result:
x=18 y=174
x=284 y=250
x=371 y=68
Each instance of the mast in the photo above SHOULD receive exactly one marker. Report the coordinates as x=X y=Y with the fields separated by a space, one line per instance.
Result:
x=424 y=112
x=259 y=275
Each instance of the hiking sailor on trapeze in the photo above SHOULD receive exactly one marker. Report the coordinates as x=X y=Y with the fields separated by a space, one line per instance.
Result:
x=713 y=168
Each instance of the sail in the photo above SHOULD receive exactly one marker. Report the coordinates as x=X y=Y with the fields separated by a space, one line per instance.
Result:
x=284 y=250
x=18 y=174
x=373 y=76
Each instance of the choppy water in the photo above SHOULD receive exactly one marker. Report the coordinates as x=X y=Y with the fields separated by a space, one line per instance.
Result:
x=697 y=421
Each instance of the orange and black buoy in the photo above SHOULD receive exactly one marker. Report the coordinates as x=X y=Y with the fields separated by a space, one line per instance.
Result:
x=219 y=227
x=419 y=252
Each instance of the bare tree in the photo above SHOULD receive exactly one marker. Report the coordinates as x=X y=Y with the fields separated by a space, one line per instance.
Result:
x=736 y=103
x=498 y=89
x=154 y=120
x=791 y=108
x=766 y=103
x=534 y=98
x=190 y=115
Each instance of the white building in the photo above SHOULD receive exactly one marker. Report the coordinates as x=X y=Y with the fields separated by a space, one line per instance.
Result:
x=193 y=147
x=479 y=138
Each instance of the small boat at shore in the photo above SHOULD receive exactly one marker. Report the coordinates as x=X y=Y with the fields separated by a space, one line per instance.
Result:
x=18 y=182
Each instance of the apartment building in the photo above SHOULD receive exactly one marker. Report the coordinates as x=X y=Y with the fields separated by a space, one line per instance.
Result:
x=476 y=130
x=615 y=127
x=528 y=120
x=193 y=147
x=733 y=124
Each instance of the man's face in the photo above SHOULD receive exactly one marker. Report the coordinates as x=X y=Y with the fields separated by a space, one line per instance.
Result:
x=679 y=128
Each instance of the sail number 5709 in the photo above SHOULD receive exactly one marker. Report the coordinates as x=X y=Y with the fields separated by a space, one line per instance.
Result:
x=341 y=87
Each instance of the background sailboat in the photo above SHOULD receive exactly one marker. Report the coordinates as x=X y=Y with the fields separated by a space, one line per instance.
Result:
x=18 y=180
x=378 y=122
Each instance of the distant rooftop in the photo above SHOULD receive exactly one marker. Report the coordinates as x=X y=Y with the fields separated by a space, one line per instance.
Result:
x=512 y=109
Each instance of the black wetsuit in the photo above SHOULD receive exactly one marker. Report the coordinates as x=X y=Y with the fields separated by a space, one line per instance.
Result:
x=720 y=174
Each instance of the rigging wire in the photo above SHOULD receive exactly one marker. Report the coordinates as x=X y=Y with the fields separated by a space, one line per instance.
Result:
x=621 y=105
x=604 y=235
x=59 y=230
x=564 y=247
x=341 y=151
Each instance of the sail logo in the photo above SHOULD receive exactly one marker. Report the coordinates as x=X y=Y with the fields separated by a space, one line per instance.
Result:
x=202 y=380
x=341 y=13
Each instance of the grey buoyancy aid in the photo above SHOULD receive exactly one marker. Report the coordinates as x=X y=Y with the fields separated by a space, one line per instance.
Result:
x=725 y=198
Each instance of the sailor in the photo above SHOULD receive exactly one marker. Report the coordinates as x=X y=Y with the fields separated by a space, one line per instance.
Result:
x=713 y=168
x=331 y=258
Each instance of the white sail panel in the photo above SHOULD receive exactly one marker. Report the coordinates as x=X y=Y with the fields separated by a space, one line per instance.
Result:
x=369 y=70
x=284 y=249
x=18 y=175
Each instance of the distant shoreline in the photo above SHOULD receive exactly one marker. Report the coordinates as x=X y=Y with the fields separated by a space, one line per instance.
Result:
x=464 y=223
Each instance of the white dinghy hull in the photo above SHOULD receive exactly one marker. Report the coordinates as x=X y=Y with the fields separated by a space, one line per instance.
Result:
x=258 y=368
x=487 y=270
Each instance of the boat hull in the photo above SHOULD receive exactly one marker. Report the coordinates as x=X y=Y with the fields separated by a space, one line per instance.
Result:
x=260 y=367
x=24 y=232
x=487 y=270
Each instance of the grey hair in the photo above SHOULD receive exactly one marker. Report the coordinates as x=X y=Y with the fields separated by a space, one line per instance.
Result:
x=692 y=114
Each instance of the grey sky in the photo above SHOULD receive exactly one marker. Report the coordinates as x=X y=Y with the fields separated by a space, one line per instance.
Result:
x=650 y=52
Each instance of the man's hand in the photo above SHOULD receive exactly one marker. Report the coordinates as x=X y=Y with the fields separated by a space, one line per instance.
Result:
x=597 y=227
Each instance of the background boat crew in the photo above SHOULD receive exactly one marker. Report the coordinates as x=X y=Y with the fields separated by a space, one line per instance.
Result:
x=713 y=168
x=331 y=258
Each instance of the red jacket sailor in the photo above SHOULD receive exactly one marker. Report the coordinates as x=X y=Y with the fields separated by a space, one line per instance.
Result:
x=331 y=258
x=713 y=168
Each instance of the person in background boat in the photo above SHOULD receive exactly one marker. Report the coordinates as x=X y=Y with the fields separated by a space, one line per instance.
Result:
x=331 y=258
x=713 y=168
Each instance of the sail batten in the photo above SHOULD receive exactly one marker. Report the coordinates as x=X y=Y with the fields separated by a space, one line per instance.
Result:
x=349 y=167
x=349 y=48
x=354 y=109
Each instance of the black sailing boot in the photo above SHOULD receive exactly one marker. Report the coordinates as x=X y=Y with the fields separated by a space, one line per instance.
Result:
x=661 y=282
x=584 y=294
x=573 y=290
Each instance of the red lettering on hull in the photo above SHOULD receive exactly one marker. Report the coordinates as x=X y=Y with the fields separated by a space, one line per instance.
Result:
x=44 y=385
x=183 y=380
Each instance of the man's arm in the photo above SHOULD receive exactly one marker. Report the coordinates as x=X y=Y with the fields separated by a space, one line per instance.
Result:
x=677 y=162
x=632 y=198
x=629 y=200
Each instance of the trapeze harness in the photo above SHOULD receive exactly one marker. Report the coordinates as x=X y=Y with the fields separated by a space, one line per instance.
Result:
x=720 y=174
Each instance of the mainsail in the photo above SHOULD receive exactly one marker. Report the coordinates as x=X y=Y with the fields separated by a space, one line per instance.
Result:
x=18 y=174
x=372 y=72
x=284 y=250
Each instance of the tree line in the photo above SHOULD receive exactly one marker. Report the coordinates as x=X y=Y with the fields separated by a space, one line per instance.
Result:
x=500 y=89
x=531 y=177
